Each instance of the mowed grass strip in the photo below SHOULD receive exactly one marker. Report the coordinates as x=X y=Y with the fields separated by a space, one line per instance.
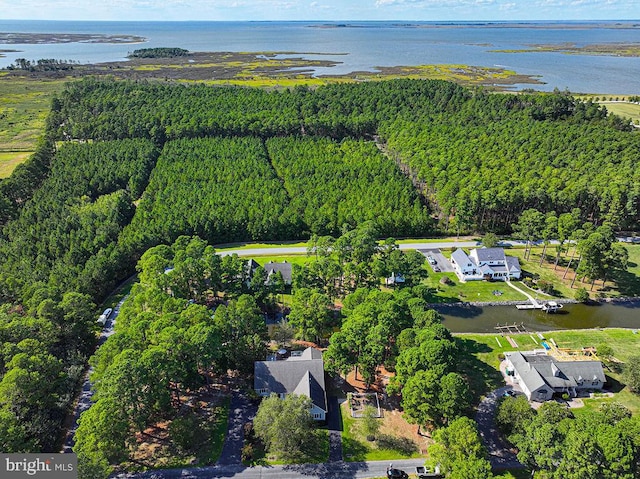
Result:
x=10 y=159
x=625 y=110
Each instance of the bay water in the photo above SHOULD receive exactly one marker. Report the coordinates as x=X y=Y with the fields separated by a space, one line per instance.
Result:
x=363 y=46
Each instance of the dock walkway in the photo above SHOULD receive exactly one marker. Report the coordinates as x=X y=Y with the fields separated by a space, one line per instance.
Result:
x=534 y=304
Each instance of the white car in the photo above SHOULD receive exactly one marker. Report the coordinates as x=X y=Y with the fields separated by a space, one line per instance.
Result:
x=102 y=319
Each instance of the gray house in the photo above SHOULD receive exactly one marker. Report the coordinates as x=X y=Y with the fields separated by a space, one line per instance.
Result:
x=283 y=268
x=540 y=375
x=302 y=374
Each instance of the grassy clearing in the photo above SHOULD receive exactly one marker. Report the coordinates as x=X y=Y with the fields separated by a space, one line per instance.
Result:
x=625 y=110
x=355 y=446
x=483 y=351
x=10 y=159
x=24 y=105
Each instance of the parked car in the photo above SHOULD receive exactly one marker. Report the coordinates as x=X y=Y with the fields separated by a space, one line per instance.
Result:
x=393 y=473
x=102 y=319
x=431 y=260
x=436 y=269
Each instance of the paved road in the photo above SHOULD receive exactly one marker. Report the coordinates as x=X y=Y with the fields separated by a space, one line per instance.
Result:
x=332 y=470
x=500 y=455
x=84 y=401
x=405 y=246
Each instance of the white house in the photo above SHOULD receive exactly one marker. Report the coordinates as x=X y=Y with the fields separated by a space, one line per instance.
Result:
x=301 y=374
x=485 y=263
x=540 y=375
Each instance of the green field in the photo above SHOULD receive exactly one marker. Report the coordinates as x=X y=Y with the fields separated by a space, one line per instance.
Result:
x=24 y=105
x=9 y=160
x=485 y=349
x=625 y=110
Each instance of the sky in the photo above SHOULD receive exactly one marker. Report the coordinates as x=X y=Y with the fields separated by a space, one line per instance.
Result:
x=323 y=10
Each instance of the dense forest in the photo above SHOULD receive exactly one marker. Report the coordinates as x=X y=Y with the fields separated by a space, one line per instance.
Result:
x=126 y=166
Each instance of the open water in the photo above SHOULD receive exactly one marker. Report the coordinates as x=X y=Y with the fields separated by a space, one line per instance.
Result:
x=474 y=319
x=366 y=45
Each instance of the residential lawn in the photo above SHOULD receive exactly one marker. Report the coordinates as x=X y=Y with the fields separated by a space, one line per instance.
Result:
x=472 y=291
x=625 y=284
x=9 y=160
x=482 y=365
x=24 y=105
x=355 y=446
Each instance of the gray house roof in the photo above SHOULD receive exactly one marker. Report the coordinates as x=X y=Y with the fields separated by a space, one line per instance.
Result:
x=528 y=374
x=490 y=254
x=284 y=268
x=302 y=375
x=460 y=257
x=534 y=368
x=513 y=264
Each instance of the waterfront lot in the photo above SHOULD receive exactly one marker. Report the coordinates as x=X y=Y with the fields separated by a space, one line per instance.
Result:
x=486 y=350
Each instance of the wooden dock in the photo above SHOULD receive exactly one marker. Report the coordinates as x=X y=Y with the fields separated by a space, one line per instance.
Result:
x=511 y=328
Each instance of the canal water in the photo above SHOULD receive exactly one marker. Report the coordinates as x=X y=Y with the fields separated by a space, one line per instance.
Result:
x=476 y=319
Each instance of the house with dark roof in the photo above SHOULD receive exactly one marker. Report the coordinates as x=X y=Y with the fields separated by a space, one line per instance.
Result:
x=541 y=375
x=283 y=268
x=485 y=263
x=302 y=374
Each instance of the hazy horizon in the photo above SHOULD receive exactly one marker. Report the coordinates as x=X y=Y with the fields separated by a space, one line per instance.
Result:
x=324 y=10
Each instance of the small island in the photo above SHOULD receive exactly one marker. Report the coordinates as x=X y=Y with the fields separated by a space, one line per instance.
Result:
x=160 y=52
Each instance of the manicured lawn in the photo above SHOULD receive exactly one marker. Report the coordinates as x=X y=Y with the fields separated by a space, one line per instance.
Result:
x=485 y=349
x=9 y=160
x=484 y=291
x=355 y=446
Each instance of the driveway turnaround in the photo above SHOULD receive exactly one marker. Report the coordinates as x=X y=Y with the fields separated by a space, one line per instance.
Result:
x=329 y=470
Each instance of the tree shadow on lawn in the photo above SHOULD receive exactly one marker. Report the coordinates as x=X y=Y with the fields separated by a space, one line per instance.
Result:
x=402 y=445
x=353 y=451
x=482 y=377
x=627 y=283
